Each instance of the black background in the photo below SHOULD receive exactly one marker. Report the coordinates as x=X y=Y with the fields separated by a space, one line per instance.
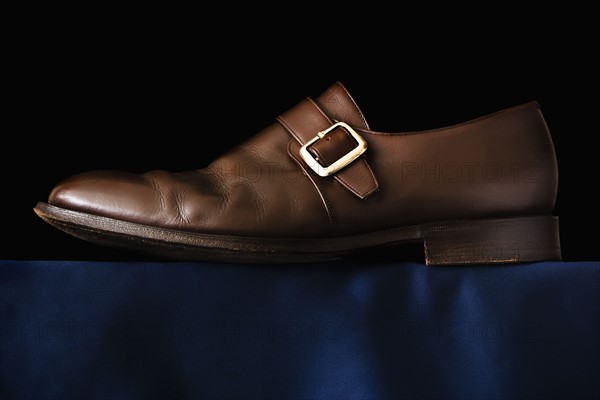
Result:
x=154 y=94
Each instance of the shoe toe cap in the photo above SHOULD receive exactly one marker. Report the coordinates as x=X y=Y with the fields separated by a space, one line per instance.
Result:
x=106 y=193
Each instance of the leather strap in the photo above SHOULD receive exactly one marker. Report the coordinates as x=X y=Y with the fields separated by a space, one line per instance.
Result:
x=304 y=121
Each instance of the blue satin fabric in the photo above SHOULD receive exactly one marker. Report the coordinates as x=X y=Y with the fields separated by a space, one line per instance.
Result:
x=100 y=330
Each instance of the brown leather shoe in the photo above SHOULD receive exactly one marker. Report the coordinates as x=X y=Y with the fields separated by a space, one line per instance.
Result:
x=319 y=184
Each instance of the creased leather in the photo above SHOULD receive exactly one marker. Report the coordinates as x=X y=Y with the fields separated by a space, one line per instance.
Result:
x=499 y=165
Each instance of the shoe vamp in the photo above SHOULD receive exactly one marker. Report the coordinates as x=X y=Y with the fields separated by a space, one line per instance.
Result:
x=256 y=189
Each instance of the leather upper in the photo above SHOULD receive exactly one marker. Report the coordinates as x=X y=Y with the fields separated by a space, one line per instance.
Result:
x=499 y=165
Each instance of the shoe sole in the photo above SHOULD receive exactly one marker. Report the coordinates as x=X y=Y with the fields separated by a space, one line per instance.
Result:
x=457 y=242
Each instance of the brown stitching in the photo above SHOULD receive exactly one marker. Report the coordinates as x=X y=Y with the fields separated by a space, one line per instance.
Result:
x=353 y=189
x=355 y=105
x=376 y=187
x=337 y=176
x=319 y=109
x=281 y=120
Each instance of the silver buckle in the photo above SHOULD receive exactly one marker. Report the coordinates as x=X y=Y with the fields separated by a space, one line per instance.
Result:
x=342 y=161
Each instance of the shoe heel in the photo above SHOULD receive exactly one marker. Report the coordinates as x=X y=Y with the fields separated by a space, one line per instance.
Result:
x=505 y=240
